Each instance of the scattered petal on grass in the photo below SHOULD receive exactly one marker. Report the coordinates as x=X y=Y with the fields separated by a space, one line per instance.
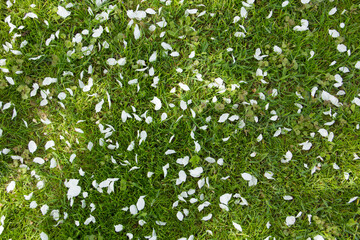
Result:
x=140 y=205
x=224 y=199
x=288 y=198
x=333 y=11
x=252 y=181
x=32 y=146
x=334 y=33
x=111 y=61
x=62 y=12
x=290 y=220
x=306 y=145
x=119 y=228
x=207 y=217
x=180 y=215
x=285 y=3
x=165 y=168
x=357 y=65
x=223 y=117
x=269 y=175
x=153 y=57
x=44 y=236
x=39 y=160
x=157 y=103
x=237 y=226
x=10 y=187
x=353 y=199
x=323 y=132
x=341 y=48
x=277 y=49
x=137 y=32
x=196 y=172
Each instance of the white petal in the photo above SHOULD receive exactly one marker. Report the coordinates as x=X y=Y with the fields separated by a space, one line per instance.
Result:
x=32 y=146
x=53 y=163
x=165 y=168
x=183 y=105
x=10 y=187
x=184 y=87
x=163 y=116
x=180 y=215
x=197 y=146
x=44 y=209
x=356 y=101
x=323 y=132
x=277 y=49
x=33 y=204
x=353 y=199
x=333 y=11
x=97 y=32
x=157 y=103
x=49 y=144
x=119 y=228
x=140 y=203
x=246 y=176
x=223 y=117
x=290 y=220
x=44 y=236
x=166 y=46
x=28 y=197
x=99 y=106
x=170 y=151
x=131 y=146
x=284 y=4
x=153 y=57
x=196 y=172
x=306 y=145
x=30 y=15
x=288 y=198
x=207 y=217
x=111 y=61
x=90 y=145
x=243 y=12
x=269 y=175
x=224 y=199
x=10 y=80
x=236 y=19
x=121 y=61
x=341 y=48
x=62 y=12
x=174 y=54
x=210 y=160
x=73 y=191
x=333 y=33
x=137 y=32
x=150 y=11
x=183 y=161
x=237 y=226
x=39 y=160
x=192 y=54
x=182 y=176
x=357 y=65
x=133 y=210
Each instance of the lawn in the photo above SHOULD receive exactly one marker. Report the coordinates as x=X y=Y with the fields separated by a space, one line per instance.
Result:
x=160 y=119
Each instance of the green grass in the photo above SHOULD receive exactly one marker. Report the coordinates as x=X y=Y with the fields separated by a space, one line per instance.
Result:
x=324 y=194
